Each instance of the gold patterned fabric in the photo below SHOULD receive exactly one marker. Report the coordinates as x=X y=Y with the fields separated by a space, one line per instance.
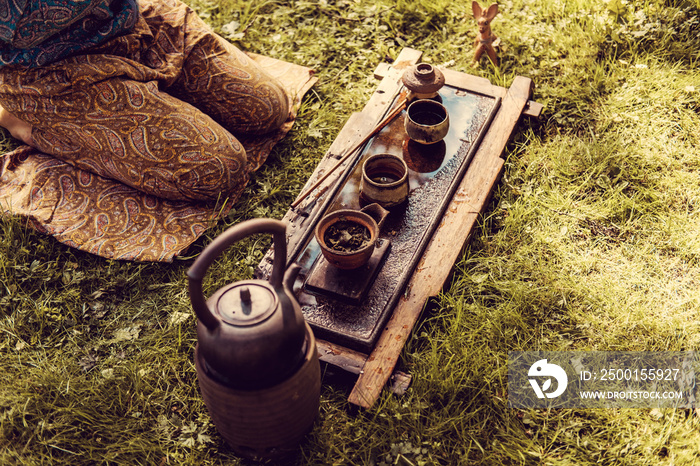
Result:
x=144 y=142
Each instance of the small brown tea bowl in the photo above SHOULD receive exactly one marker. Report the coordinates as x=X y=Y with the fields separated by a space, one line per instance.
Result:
x=348 y=237
x=427 y=121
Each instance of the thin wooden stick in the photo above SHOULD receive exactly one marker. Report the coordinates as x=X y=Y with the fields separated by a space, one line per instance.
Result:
x=394 y=113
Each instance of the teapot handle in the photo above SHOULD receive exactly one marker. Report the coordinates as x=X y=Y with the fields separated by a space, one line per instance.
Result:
x=196 y=273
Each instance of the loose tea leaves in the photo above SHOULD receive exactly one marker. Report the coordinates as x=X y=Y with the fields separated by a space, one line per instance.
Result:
x=346 y=236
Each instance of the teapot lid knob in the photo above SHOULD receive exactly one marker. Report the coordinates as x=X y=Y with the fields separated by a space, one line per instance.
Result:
x=245 y=294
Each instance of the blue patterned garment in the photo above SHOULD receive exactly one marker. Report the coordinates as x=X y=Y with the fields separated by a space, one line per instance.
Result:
x=37 y=32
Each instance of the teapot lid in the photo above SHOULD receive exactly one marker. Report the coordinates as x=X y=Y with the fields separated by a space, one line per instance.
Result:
x=247 y=303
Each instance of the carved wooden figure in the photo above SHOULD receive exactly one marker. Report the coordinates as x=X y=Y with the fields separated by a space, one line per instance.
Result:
x=486 y=41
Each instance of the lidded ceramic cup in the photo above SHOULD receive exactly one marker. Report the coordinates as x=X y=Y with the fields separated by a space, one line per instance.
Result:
x=423 y=80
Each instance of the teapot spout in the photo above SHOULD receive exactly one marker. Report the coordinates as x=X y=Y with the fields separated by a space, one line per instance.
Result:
x=290 y=276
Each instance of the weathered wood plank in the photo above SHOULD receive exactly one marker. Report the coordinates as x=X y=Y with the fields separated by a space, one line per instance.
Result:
x=445 y=246
x=407 y=57
x=341 y=357
x=483 y=86
x=352 y=361
x=533 y=109
x=473 y=83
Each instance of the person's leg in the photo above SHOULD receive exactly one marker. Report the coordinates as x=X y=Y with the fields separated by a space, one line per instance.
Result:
x=113 y=112
x=126 y=130
x=217 y=77
x=227 y=85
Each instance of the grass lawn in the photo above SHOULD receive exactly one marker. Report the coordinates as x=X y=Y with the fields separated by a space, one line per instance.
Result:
x=591 y=242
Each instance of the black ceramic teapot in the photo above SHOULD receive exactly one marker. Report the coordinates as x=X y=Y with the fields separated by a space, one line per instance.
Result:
x=251 y=334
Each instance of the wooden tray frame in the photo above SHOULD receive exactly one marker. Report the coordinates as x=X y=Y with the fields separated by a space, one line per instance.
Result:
x=376 y=369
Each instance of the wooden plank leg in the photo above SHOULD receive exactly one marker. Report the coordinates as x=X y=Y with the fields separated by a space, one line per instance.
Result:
x=441 y=253
x=352 y=362
x=341 y=357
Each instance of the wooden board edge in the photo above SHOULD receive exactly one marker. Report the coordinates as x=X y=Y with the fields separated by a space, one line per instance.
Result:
x=453 y=78
x=407 y=57
x=483 y=86
x=472 y=83
x=390 y=85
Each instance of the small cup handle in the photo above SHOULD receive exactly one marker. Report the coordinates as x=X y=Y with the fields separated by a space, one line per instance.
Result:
x=377 y=212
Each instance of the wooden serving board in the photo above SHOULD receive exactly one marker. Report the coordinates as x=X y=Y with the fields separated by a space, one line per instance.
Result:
x=375 y=367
